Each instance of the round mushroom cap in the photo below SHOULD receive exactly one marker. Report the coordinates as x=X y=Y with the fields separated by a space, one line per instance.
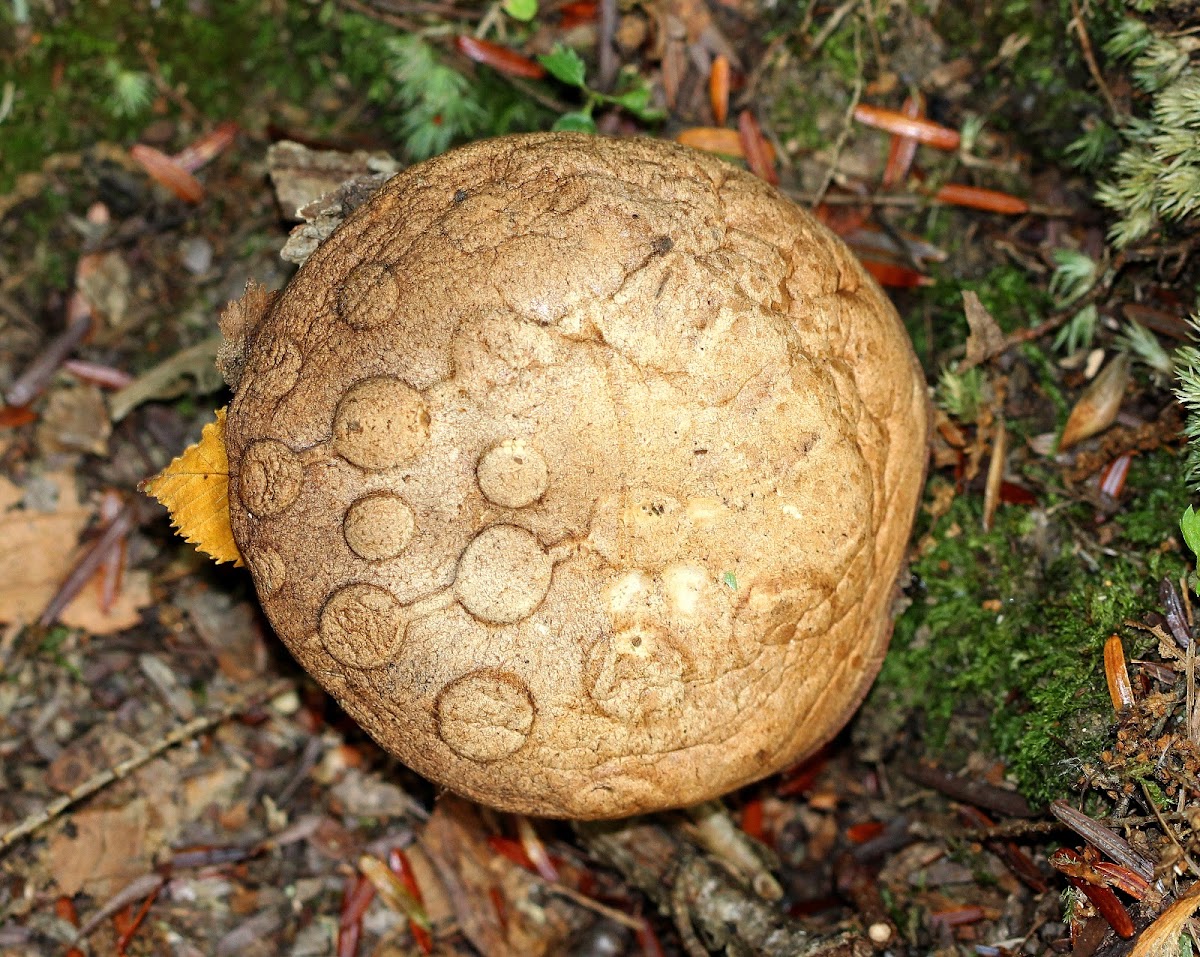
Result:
x=580 y=471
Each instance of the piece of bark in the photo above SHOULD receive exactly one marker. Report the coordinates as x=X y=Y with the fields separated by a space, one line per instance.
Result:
x=320 y=188
x=712 y=910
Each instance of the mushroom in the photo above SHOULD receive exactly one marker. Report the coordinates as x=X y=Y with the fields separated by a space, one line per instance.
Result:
x=580 y=471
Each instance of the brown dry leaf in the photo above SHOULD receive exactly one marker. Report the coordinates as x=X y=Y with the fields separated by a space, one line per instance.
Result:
x=456 y=842
x=1097 y=408
x=87 y=613
x=102 y=850
x=985 y=339
x=230 y=630
x=1161 y=939
x=195 y=490
x=40 y=548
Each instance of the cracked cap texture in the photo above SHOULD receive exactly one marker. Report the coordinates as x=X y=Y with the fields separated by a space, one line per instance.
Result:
x=580 y=471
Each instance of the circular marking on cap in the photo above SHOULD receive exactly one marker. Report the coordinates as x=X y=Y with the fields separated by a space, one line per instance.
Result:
x=485 y=715
x=277 y=369
x=635 y=673
x=362 y=626
x=503 y=575
x=369 y=295
x=512 y=474
x=380 y=423
x=267 y=568
x=269 y=478
x=378 y=527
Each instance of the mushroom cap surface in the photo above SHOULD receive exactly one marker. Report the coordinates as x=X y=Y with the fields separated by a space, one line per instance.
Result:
x=580 y=471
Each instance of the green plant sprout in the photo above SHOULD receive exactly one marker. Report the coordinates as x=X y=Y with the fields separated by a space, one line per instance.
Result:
x=1186 y=361
x=131 y=90
x=633 y=92
x=960 y=394
x=522 y=10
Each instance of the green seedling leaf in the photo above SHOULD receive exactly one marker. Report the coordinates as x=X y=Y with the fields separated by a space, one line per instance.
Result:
x=565 y=65
x=1190 y=526
x=636 y=101
x=523 y=10
x=577 y=122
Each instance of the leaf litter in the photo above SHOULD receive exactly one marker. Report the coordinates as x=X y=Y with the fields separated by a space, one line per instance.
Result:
x=253 y=817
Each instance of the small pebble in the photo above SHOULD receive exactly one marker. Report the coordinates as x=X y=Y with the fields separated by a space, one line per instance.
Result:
x=196 y=254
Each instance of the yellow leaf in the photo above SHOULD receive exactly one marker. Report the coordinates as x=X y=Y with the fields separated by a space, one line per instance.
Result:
x=195 y=490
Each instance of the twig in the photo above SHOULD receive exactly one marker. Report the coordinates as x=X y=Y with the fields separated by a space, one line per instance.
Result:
x=165 y=88
x=101 y=780
x=30 y=383
x=590 y=903
x=832 y=22
x=979 y=793
x=1169 y=831
x=88 y=564
x=1089 y=56
x=135 y=890
x=606 y=52
x=1023 y=828
x=400 y=23
x=847 y=123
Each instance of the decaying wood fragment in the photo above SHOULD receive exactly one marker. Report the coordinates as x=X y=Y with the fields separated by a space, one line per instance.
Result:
x=712 y=909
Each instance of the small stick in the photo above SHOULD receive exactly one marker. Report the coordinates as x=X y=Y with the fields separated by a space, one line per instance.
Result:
x=113 y=564
x=102 y=779
x=127 y=937
x=590 y=903
x=135 y=890
x=832 y=22
x=606 y=51
x=30 y=383
x=87 y=565
x=1008 y=803
x=1169 y=831
x=847 y=126
x=1089 y=56
x=915 y=199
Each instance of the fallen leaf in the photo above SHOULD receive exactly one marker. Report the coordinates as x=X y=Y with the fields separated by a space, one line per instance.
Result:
x=41 y=547
x=1097 y=408
x=985 y=339
x=170 y=378
x=456 y=842
x=102 y=850
x=74 y=420
x=87 y=613
x=195 y=490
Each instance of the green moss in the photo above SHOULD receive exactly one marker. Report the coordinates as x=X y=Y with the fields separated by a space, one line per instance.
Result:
x=934 y=315
x=1002 y=646
x=1045 y=84
x=82 y=76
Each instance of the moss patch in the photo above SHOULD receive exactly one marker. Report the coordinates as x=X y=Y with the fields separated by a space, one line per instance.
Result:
x=1002 y=645
x=87 y=75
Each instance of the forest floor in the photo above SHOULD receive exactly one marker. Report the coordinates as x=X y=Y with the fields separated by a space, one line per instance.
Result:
x=1020 y=779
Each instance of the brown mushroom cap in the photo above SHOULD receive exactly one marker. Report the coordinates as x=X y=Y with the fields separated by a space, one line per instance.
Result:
x=580 y=471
